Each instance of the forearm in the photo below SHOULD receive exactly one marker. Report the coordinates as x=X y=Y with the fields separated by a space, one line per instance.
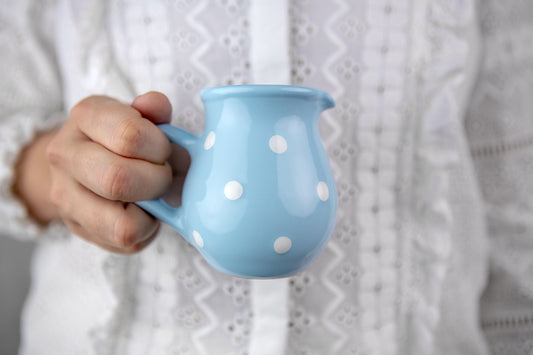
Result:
x=32 y=180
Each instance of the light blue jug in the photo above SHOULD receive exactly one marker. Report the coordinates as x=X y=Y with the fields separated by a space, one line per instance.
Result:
x=259 y=199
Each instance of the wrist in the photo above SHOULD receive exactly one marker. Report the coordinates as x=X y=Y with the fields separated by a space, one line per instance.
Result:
x=33 y=180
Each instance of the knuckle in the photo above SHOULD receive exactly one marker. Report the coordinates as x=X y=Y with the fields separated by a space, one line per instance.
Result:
x=126 y=232
x=117 y=182
x=128 y=137
x=59 y=198
x=56 y=196
x=54 y=153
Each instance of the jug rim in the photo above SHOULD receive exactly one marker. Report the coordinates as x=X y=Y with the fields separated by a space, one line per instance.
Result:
x=258 y=90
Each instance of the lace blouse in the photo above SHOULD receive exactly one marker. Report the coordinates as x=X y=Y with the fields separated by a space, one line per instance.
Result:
x=430 y=143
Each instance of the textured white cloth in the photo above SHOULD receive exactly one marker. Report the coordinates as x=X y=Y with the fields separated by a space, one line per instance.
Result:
x=419 y=85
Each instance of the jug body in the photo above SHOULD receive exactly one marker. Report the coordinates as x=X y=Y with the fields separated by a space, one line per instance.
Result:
x=259 y=199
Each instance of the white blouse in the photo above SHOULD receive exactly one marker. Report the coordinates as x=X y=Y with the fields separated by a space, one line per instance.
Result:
x=430 y=143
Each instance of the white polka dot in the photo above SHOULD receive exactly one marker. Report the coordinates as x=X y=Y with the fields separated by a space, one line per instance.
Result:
x=278 y=144
x=209 y=140
x=198 y=239
x=322 y=191
x=233 y=190
x=282 y=245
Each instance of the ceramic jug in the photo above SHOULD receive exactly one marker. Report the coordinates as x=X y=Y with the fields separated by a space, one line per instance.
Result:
x=259 y=199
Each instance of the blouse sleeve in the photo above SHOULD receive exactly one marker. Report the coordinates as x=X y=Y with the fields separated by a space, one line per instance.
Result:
x=30 y=101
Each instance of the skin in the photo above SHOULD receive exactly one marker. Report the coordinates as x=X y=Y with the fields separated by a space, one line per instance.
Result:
x=107 y=155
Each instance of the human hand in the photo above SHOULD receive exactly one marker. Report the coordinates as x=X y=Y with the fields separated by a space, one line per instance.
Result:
x=107 y=155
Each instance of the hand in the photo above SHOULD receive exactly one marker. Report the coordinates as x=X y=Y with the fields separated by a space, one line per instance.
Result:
x=107 y=155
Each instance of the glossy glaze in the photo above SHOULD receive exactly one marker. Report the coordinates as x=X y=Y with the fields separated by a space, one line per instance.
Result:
x=259 y=199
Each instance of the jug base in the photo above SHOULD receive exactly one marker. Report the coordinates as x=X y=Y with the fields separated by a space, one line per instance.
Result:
x=253 y=270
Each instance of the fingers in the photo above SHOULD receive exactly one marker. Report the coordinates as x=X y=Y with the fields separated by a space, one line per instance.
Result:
x=154 y=106
x=122 y=129
x=121 y=248
x=112 y=225
x=109 y=175
x=89 y=236
x=106 y=155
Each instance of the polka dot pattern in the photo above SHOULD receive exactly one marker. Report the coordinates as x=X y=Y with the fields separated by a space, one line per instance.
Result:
x=209 y=140
x=322 y=191
x=198 y=239
x=278 y=144
x=233 y=190
x=282 y=245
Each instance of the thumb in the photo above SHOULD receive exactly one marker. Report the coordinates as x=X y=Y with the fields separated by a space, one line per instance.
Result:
x=154 y=106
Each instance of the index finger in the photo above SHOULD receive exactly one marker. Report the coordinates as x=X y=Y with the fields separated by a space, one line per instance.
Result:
x=121 y=129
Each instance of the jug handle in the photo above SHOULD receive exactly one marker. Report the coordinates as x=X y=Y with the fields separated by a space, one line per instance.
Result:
x=159 y=208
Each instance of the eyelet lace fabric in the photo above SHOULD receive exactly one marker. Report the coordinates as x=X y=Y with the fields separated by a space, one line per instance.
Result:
x=406 y=266
x=500 y=131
